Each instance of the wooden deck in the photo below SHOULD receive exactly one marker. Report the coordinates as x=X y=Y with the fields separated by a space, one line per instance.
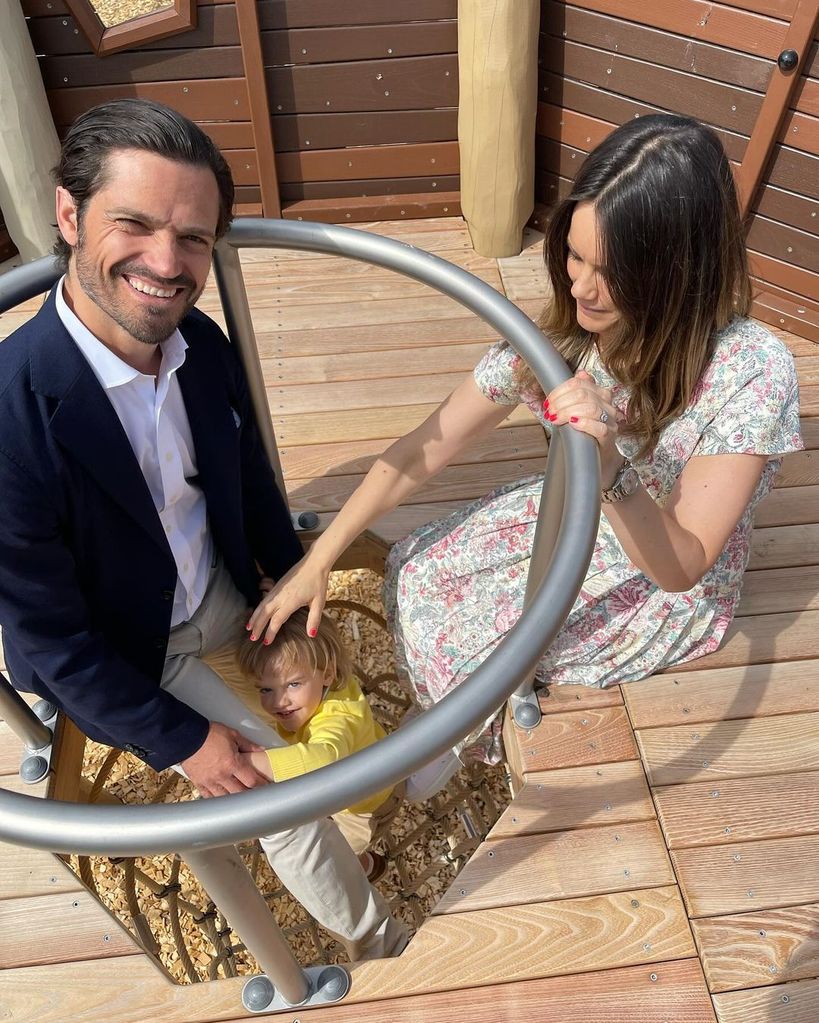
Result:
x=658 y=862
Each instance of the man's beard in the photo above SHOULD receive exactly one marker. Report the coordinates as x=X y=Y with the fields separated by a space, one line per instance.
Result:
x=151 y=324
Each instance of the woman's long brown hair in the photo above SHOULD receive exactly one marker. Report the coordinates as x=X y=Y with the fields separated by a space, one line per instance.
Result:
x=673 y=259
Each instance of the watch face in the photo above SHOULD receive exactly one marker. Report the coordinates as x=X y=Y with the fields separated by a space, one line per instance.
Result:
x=630 y=481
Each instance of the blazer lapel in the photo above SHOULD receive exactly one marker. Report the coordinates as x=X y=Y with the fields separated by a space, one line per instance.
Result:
x=85 y=424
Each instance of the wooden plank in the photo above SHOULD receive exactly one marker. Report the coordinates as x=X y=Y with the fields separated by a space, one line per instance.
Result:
x=367 y=187
x=787 y=207
x=760 y=639
x=408 y=83
x=203 y=99
x=800 y=468
x=779 y=589
x=83 y=70
x=358 y=210
x=590 y=861
x=405 y=161
x=291 y=14
x=784 y=243
x=455 y=951
x=715 y=102
x=796 y=316
x=750 y=876
x=576 y=797
x=755 y=690
x=359 y=42
x=346 y=395
x=642 y=41
x=377 y=127
x=730 y=749
x=803 y=282
x=784 y=546
x=27 y=928
x=785 y=1003
x=454 y=483
x=759 y=948
x=739 y=810
x=357 y=457
x=574 y=739
x=788 y=506
x=714 y=23
x=556 y=699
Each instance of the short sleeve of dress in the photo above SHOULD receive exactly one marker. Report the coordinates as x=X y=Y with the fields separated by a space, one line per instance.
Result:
x=495 y=375
x=755 y=380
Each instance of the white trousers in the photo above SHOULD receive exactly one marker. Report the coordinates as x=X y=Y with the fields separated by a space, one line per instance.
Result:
x=314 y=861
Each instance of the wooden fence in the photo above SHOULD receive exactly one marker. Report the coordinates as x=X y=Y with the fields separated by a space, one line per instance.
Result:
x=348 y=112
x=603 y=62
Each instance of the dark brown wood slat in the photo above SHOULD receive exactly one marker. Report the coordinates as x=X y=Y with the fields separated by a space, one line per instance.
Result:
x=161 y=66
x=596 y=101
x=785 y=243
x=786 y=313
x=372 y=128
x=206 y=99
x=806 y=96
x=216 y=26
x=713 y=102
x=248 y=195
x=713 y=23
x=294 y=190
x=369 y=162
x=646 y=43
x=410 y=83
x=361 y=211
x=243 y=166
x=801 y=131
x=774 y=8
x=784 y=275
x=359 y=42
x=229 y=134
x=284 y=14
x=798 y=172
x=788 y=208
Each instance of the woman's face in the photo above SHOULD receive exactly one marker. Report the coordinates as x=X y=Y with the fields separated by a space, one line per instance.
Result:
x=595 y=310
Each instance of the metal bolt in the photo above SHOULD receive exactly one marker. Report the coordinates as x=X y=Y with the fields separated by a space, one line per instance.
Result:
x=696 y=736
x=434 y=184
x=706 y=763
x=389 y=49
x=627 y=873
x=304 y=51
x=751 y=893
x=647 y=947
x=686 y=710
x=106 y=937
x=790 y=248
x=772 y=968
x=635 y=904
x=491 y=855
x=715 y=793
x=616 y=838
x=727 y=831
x=607 y=806
x=584 y=721
x=652 y=977
x=307 y=142
x=514 y=820
x=65 y=22
x=734 y=106
x=327 y=102
x=737 y=857
x=786 y=998
x=348 y=215
x=446 y=74
x=608 y=70
x=66 y=80
x=386 y=92
x=463 y=891
x=278 y=106
x=75 y=904
x=763 y=934
x=184 y=88
x=446 y=209
x=378 y=77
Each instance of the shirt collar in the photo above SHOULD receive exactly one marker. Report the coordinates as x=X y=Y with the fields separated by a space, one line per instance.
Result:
x=108 y=368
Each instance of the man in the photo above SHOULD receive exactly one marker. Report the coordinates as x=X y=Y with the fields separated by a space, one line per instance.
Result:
x=138 y=503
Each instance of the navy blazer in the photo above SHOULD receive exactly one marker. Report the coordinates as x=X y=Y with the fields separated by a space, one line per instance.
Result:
x=87 y=578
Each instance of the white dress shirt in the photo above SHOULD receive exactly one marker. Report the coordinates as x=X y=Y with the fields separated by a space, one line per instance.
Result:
x=152 y=413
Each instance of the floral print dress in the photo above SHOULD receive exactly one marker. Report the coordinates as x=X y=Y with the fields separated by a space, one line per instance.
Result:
x=455 y=587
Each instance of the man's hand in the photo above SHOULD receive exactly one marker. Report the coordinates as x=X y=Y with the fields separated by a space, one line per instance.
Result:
x=217 y=767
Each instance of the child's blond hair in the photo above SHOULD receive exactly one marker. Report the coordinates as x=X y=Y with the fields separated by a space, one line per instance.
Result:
x=324 y=653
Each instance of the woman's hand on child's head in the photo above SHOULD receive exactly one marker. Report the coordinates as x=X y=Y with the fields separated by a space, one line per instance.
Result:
x=304 y=586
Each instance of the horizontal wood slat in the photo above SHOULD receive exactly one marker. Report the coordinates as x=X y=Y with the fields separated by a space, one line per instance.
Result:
x=574 y=739
x=205 y=99
x=730 y=749
x=406 y=84
x=749 y=691
x=784 y=1003
x=749 y=876
x=131 y=67
x=774 y=590
x=759 y=948
x=358 y=42
x=379 y=127
x=369 y=162
x=577 y=797
x=739 y=809
x=359 y=211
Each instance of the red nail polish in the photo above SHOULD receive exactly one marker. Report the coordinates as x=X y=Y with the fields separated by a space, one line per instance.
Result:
x=267 y=642
x=545 y=404
x=552 y=418
x=252 y=638
x=313 y=633
x=573 y=419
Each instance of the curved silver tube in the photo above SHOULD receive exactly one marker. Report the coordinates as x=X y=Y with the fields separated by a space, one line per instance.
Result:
x=150 y=830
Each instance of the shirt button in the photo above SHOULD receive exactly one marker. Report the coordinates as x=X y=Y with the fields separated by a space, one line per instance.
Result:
x=167 y=594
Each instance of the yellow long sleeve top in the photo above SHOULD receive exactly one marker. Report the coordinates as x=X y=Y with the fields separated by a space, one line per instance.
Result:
x=343 y=724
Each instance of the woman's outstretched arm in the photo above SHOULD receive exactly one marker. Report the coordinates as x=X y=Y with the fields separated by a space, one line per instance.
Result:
x=404 y=467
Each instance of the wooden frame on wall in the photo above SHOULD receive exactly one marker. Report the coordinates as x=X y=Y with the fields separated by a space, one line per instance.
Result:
x=179 y=16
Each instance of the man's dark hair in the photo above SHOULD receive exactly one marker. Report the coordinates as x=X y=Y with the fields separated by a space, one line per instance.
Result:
x=134 y=124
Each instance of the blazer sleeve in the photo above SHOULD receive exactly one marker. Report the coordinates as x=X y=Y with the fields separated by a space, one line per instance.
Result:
x=48 y=627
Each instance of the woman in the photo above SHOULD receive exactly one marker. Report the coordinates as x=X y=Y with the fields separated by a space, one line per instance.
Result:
x=691 y=405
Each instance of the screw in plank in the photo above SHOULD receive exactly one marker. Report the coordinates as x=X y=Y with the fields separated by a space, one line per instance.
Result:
x=652 y=977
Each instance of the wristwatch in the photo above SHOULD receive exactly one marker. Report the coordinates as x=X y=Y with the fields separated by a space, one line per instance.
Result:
x=625 y=484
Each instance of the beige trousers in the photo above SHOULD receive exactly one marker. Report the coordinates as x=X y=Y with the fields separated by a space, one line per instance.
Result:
x=314 y=862
x=359 y=828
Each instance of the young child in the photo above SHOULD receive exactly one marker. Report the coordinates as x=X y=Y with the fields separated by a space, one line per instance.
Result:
x=307 y=687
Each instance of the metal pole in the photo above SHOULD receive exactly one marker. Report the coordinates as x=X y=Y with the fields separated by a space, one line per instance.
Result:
x=228 y=882
x=21 y=718
x=227 y=268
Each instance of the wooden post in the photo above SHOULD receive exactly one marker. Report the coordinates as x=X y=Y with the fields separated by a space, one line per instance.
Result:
x=259 y=106
x=774 y=106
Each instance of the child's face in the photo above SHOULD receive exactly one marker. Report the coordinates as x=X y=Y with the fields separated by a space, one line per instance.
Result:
x=291 y=695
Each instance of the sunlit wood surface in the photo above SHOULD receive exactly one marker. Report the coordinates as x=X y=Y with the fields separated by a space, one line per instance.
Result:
x=658 y=862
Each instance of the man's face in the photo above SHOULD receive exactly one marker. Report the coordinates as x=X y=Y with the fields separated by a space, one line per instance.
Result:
x=143 y=249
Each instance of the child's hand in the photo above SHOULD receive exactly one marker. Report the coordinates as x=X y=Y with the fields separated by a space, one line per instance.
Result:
x=258 y=760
